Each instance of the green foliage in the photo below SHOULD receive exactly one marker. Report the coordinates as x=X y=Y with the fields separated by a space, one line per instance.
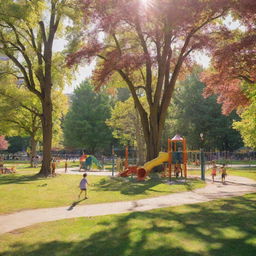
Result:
x=247 y=125
x=17 y=143
x=122 y=121
x=20 y=111
x=84 y=126
x=125 y=122
x=190 y=114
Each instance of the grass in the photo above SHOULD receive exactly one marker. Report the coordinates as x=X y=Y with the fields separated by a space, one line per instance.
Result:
x=25 y=190
x=218 y=228
x=248 y=173
x=244 y=172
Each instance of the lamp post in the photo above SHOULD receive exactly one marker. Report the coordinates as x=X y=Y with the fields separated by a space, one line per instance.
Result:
x=113 y=160
x=202 y=160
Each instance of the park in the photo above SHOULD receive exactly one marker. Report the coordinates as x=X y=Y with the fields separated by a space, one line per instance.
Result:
x=128 y=127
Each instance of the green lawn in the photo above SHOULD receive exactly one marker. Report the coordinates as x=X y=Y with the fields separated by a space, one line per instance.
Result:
x=244 y=172
x=24 y=190
x=218 y=228
x=25 y=165
x=248 y=173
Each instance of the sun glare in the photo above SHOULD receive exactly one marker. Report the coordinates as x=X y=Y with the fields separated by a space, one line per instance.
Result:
x=145 y=2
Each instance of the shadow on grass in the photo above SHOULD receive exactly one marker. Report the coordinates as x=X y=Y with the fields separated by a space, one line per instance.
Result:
x=130 y=186
x=126 y=186
x=219 y=228
x=18 y=179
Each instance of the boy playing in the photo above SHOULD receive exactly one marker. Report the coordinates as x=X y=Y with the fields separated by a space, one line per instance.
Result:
x=223 y=173
x=83 y=186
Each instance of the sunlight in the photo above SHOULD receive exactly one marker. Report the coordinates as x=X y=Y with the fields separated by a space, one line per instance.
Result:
x=145 y=3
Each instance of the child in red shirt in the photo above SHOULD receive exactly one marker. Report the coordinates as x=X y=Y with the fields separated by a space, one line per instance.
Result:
x=214 y=172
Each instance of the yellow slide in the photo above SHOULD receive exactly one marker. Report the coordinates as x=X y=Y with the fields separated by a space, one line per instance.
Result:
x=148 y=166
x=162 y=157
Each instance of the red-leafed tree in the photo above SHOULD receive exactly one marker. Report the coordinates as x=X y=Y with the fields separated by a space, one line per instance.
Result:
x=233 y=73
x=149 y=44
x=3 y=143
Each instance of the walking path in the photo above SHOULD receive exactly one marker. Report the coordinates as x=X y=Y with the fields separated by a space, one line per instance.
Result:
x=235 y=186
x=75 y=170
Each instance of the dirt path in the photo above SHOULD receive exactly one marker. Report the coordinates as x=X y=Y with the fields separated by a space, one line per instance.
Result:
x=235 y=186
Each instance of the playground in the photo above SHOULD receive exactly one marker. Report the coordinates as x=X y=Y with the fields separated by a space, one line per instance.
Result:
x=127 y=128
x=147 y=215
x=130 y=210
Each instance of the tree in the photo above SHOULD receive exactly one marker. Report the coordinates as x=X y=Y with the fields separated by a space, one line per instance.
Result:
x=247 y=125
x=27 y=32
x=3 y=143
x=149 y=44
x=126 y=126
x=20 y=113
x=191 y=114
x=232 y=75
x=17 y=143
x=84 y=125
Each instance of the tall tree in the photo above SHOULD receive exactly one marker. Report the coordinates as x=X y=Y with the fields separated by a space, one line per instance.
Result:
x=84 y=125
x=149 y=44
x=191 y=114
x=27 y=32
x=232 y=75
x=126 y=126
x=20 y=113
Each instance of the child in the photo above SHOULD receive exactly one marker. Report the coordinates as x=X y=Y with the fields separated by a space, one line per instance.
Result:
x=214 y=172
x=223 y=173
x=177 y=170
x=83 y=186
x=53 y=165
x=66 y=165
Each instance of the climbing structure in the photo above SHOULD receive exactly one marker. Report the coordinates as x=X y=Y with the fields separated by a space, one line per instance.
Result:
x=177 y=152
x=176 y=157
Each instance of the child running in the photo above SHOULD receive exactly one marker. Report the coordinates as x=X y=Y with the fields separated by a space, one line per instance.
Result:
x=223 y=173
x=214 y=172
x=83 y=186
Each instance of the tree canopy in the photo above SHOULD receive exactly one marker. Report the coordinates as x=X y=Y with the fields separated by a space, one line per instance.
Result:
x=232 y=75
x=150 y=44
x=126 y=126
x=84 y=125
x=191 y=114
x=28 y=29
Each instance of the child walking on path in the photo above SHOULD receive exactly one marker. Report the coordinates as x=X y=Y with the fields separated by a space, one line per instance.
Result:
x=223 y=173
x=214 y=172
x=83 y=186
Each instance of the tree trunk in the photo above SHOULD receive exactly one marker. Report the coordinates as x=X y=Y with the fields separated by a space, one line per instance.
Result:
x=47 y=135
x=33 y=149
x=139 y=139
x=152 y=130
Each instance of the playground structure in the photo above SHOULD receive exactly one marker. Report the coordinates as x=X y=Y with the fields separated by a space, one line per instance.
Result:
x=86 y=162
x=176 y=157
